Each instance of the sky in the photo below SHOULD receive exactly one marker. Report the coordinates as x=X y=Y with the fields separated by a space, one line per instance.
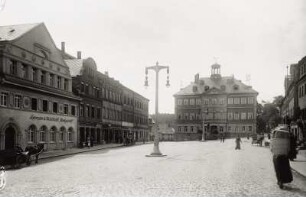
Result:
x=259 y=38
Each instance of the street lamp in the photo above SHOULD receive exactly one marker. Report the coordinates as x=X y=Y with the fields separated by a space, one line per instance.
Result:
x=156 y=152
x=203 y=132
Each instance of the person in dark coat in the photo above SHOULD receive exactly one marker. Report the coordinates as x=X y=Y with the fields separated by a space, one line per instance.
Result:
x=280 y=147
x=238 y=141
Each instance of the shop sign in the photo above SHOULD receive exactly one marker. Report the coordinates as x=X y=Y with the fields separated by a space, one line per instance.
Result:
x=53 y=119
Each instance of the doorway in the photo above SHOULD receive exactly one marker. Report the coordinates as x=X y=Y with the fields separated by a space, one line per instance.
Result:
x=10 y=137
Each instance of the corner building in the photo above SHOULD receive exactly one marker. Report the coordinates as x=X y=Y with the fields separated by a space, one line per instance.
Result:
x=36 y=100
x=213 y=105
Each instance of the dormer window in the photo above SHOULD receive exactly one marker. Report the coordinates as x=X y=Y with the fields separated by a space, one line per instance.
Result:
x=206 y=88
x=236 y=87
x=223 y=87
x=194 y=88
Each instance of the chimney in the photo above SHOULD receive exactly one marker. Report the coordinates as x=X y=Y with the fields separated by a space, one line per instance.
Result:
x=79 y=55
x=196 y=78
x=63 y=47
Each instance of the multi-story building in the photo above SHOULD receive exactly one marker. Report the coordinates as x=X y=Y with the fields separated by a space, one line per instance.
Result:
x=213 y=105
x=293 y=109
x=108 y=110
x=36 y=100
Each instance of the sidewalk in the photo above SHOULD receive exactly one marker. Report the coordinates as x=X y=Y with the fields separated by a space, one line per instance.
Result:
x=299 y=164
x=72 y=151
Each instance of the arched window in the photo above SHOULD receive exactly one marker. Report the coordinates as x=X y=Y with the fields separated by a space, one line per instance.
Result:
x=70 y=134
x=32 y=134
x=42 y=134
x=53 y=134
x=61 y=133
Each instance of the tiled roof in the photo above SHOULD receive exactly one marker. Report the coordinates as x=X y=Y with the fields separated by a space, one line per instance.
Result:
x=222 y=85
x=75 y=66
x=11 y=32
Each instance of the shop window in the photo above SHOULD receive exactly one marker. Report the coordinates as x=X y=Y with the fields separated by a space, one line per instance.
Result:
x=34 y=105
x=69 y=134
x=61 y=134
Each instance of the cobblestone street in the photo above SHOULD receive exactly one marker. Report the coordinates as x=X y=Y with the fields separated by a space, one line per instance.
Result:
x=190 y=169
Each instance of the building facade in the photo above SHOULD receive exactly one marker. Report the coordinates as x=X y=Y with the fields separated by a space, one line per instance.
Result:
x=108 y=110
x=213 y=105
x=293 y=109
x=36 y=100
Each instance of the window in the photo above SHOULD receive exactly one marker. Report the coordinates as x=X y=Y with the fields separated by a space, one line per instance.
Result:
x=185 y=128
x=250 y=128
x=4 y=99
x=45 y=105
x=69 y=134
x=206 y=101
x=51 y=80
x=198 y=101
x=214 y=101
x=17 y=101
x=66 y=109
x=230 y=115
x=55 y=107
x=192 y=116
x=34 y=72
x=81 y=110
x=236 y=116
x=229 y=128
x=42 y=134
x=61 y=134
x=92 y=112
x=185 y=101
x=87 y=111
x=179 y=129
x=31 y=134
x=98 y=112
x=243 y=116
x=186 y=116
x=82 y=87
x=191 y=128
x=250 y=115
x=53 y=134
x=250 y=100
x=65 y=84
x=34 y=104
x=23 y=72
x=43 y=77
x=236 y=101
x=192 y=101
x=243 y=128
x=243 y=100
x=230 y=101
x=73 y=112
x=13 y=67
x=59 y=82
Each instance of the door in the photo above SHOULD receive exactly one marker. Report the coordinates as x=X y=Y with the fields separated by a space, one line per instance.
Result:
x=9 y=137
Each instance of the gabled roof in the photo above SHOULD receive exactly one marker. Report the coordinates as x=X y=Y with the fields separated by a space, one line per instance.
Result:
x=209 y=85
x=75 y=66
x=12 y=32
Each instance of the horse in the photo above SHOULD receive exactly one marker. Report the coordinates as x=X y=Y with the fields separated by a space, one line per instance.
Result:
x=35 y=150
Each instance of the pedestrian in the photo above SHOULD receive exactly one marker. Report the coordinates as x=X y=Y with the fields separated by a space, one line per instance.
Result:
x=223 y=137
x=88 y=141
x=292 y=151
x=280 y=146
x=238 y=141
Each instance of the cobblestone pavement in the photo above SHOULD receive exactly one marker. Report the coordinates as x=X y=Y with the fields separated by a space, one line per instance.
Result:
x=190 y=169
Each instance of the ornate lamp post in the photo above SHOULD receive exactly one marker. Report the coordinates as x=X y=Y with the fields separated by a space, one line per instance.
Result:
x=156 y=152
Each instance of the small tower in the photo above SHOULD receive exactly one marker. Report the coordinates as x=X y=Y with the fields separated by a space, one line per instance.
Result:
x=215 y=71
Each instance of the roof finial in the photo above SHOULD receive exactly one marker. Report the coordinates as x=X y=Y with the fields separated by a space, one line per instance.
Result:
x=216 y=60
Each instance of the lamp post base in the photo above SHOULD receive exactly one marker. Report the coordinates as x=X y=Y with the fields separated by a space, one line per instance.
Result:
x=155 y=155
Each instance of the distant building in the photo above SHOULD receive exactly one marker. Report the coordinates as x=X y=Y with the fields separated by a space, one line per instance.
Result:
x=213 y=105
x=36 y=100
x=166 y=124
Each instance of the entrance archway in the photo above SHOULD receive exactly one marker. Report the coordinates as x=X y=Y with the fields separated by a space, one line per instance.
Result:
x=10 y=135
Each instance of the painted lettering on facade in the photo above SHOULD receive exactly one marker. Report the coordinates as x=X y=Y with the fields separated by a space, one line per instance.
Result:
x=54 y=119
